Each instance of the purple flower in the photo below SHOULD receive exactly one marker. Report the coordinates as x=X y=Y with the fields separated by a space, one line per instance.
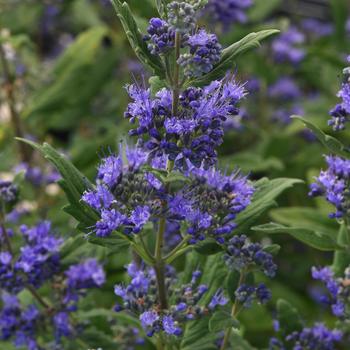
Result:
x=286 y=47
x=110 y=170
x=205 y=52
x=227 y=12
x=139 y=217
x=161 y=37
x=88 y=274
x=169 y=326
x=286 y=89
x=218 y=299
x=333 y=184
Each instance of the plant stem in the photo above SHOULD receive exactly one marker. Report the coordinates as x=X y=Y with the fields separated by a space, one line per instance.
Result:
x=6 y=237
x=234 y=312
x=24 y=149
x=159 y=266
x=36 y=295
x=176 y=79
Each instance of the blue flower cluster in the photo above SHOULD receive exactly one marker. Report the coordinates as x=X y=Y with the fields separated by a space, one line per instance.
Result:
x=317 y=337
x=36 y=175
x=227 y=12
x=141 y=299
x=8 y=192
x=334 y=184
x=285 y=47
x=341 y=112
x=337 y=288
x=161 y=37
x=205 y=51
x=23 y=326
x=127 y=197
x=37 y=261
x=18 y=322
x=242 y=255
x=197 y=130
x=228 y=195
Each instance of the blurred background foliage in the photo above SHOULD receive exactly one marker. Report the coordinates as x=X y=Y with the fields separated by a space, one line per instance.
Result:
x=69 y=61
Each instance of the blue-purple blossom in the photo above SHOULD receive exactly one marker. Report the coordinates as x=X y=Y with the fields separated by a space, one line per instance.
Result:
x=205 y=51
x=341 y=112
x=317 y=337
x=333 y=183
x=242 y=254
x=8 y=192
x=286 y=47
x=140 y=297
x=160 y=36
x=181 y=16
x=197 y=130
x=316 y=28
x=227 y=12
x=285 y=88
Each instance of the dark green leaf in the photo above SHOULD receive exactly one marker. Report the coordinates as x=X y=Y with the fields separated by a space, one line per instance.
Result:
x=272 y=249
x=238 y=343
x=208 y=247
x=263 y=199
x=197 y=336
x=288 y=317
x=330 y=142
x=156 y=84
x=95 y=339
x=318 y=240
x=342 y=258
x=222 y=320
x=113 y=242
x=135 y=38
x=232 y=284
x=73 y=183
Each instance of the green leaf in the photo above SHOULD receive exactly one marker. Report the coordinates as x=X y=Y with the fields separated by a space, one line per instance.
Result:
x=208 y=247
x=135 y=38
x=156 y=84
x=95 y=339
x=342 y=258
x=330 y=142
x=73 y=183
x=197 y=336
x=238 y=343
x=232 y=284
x=262 y=9
x=315 y=239
x=229 y=54
x=222 y=320
x=272 y=249
x=263 y=199
x=114 y=242
x=76 y=79
x=288 y=317
x=306 y=217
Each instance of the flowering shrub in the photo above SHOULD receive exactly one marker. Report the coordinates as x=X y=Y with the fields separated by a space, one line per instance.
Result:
x=170 y=245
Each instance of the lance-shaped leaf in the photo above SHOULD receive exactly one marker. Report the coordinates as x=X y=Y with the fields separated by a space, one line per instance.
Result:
x=73 y=183
x=135 y=38
x=222 y=320
x=330 y=142
x=263 y=199
x=315 y=239
x=229 y=54
x=341 y=259
x=288 y=317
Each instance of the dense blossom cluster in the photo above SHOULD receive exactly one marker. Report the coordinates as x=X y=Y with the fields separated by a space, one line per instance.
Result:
x=334 y=184
x=205 y=51
x=227 y=12
x=242 y=256
x=285 y=47
x=341 y=112
x=318 y=337
x=8 y=192
x=338 y=290
x=19 y=323
x=37 y=261
x=140 y=298
x=195 y=132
